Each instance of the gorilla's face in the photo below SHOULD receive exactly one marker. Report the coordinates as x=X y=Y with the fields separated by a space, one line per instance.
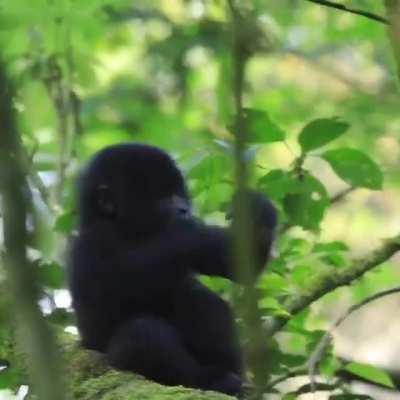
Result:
x=138 y=187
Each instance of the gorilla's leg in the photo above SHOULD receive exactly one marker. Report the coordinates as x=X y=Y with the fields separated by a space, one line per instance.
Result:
x=151 y=347
x=207 y=326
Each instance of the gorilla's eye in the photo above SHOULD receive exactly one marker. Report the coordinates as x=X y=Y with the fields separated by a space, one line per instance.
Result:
x=177 y=206
x=105 y=201
x=183 y=211
x=181 y=206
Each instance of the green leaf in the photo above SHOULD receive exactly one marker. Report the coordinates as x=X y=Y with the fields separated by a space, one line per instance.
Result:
x=307 y=206
x=334 y=259
x=66 y=222
x=314 y=338
x=319 y=132
x=355 y=168
x=295 y=247
x=350 y=396
x=290 y=396
x=331 y=253
x=301 y=273
x=51 y=275
x=260 y=128
x=216 y=283
x=329 y=247
x=370 y=373
x=292 y=360
x=213 y=198
x=298 y=323
x=273 y=307
x=329 y=365
x=9 y=378
x=61 y=316
x=209 y=168
x=273 y=284
x=277 y=183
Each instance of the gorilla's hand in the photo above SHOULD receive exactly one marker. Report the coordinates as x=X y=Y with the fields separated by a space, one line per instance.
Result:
x=263 y=223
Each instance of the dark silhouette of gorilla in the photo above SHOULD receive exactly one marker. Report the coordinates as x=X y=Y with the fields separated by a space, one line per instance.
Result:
x=133 y=271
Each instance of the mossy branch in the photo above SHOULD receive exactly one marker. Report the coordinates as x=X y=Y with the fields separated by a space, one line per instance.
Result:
x=327 y=282
x=89 y=377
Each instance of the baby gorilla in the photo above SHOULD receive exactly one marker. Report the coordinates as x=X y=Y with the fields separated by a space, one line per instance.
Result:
x=133 y=272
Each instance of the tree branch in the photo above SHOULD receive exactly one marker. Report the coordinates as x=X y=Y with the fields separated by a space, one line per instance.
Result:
x=246 y=302
x=325 y=341
x=35 y=337
x=338 y=197
x=342 y=7
x=393 y=12
x=329 y=281
x=89 y=376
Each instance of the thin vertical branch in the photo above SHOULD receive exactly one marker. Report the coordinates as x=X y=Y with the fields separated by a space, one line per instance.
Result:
x=246 y=303
x=59 y=81
x=34 y=336
x=56 y=90
x=393 y=12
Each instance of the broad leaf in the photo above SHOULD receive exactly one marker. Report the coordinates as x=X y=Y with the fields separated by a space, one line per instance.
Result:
x=209 y=168
x=320 y=132
x=9 y=378
x=260 y=128
x=370 y=373
x=273 y=284
x=277 y=183
x=330 y=247
x=307 y=206
x=355 y=168
x=66 y=222
x=50 y=275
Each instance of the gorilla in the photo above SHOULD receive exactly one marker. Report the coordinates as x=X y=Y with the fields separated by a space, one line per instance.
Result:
x=133 y=271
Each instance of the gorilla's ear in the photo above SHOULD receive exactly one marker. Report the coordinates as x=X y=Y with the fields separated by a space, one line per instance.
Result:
x=104 y=200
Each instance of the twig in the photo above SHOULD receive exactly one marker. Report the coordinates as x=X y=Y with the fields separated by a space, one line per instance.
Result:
x=326 y=339
x=316 y=357
x=341 y=195
x=323 y=387
x=343 y=7
x=393 y=12
x=329 y=281
x=247 y=302
x=68 y=107
x=56 y=90
x=290 y=374
x=315 y=61
x=27 y=164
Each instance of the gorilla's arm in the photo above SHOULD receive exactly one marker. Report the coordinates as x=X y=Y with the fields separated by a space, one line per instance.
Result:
x=158 y=264
x=148 y=267
x=214 y=254
x=213 y=249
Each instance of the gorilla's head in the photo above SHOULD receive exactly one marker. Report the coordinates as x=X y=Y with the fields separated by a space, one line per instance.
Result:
x=138 y=187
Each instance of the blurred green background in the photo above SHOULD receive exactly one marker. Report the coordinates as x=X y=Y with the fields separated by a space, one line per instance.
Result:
x=95 y=72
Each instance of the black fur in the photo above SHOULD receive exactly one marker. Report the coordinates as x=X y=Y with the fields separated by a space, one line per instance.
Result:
x=133 y=272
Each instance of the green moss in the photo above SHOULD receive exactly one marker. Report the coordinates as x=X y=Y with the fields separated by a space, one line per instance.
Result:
x=90 y=378
x=115 y=385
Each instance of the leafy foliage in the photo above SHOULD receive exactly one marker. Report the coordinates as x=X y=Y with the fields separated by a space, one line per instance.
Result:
x=355 y=167
x=160 y=72
x=320 y=132
x=260 y=127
